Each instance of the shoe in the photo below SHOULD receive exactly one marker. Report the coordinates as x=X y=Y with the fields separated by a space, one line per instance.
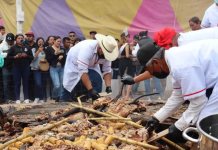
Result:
x=36 y=101
x=18 y=102
x=27 y=101
x=149 y=99
x=41 y=101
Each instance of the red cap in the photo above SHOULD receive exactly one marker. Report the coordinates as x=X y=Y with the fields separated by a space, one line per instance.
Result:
x=164 y=37
x=29 y=33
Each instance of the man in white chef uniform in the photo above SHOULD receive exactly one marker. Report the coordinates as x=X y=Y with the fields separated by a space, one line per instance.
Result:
x=82 y=74
x=194 y=71
x=178 y=39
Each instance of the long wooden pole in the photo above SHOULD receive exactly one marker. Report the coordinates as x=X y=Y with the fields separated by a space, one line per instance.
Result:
x=106 y=115
x=110 y=118
x=23 y=136
x=133 y=142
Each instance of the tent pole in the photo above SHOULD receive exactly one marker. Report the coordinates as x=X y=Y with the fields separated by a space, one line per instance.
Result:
x=19 y=16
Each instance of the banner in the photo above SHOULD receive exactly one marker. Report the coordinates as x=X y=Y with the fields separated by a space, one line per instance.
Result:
x=58 y=17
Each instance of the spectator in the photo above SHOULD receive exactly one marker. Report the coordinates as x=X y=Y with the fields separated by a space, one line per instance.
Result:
x=72 y=35
x=135 y=48
x=125 y=64
x=2 y=34
x=135 y=45
x=30 y=44
x=82 y=73
x=77 y=41
x=21 y=58
x=143 y=40
x=66 y=44
x=210 y=18
x=39 y=76
x=56 y=57
x=195 y=23
x=48 y=43
x=8 y=84
x=92 y=34
x=115 y=64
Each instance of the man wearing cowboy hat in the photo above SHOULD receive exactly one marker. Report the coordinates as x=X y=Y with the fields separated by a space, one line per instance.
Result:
x=82 y=72
x=195 y=78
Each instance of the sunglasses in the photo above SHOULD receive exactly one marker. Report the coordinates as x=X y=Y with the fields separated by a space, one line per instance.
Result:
x=72 y=35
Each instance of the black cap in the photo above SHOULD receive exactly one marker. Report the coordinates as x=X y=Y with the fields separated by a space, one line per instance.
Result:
x=146 y=52
x=10 y=37
x=143 y=33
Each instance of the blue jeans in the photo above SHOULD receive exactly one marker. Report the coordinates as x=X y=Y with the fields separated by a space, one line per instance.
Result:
x=80 y=89
x=46 y=83
x=157 y=86
x=56 y=74
x=136 y=85
x=8 y=84
x=38 y=88
x=21 y=72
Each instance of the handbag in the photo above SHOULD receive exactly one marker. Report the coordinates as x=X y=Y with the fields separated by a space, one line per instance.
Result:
x=43 y=65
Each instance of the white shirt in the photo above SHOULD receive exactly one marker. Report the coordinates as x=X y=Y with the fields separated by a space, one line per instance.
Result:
x=210 y=18
x=122 y=48
x=2 y=37
x=207 y=33
x=194 y=69
x=4 y=47
x=80 y=58
x=135 y=50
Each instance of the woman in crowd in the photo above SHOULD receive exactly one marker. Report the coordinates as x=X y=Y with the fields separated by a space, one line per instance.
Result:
x=49 y=42
x=125 y=64
x=56 y=57
x=20 y=57
x=39 y=76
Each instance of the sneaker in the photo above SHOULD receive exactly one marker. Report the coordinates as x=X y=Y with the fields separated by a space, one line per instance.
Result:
x=36 y=101
x=18 y=102
x=149 y=99
x=41 y=101
x=27 y=101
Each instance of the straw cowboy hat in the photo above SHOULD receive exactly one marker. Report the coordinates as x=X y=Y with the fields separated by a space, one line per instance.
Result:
x=108 y=45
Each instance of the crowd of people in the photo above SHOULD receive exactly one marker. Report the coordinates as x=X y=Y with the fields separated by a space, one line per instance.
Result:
x=23 y=60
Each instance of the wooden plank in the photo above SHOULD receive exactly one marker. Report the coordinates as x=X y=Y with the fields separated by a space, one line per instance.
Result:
x=157 y=136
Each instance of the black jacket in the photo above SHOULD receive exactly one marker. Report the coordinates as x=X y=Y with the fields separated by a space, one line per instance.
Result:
x=14 y=50
x=52 y=58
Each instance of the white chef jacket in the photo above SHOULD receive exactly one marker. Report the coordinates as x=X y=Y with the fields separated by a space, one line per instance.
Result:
x=210 y=18
x=194 y=69
x=80 y=58
x=188 y=37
